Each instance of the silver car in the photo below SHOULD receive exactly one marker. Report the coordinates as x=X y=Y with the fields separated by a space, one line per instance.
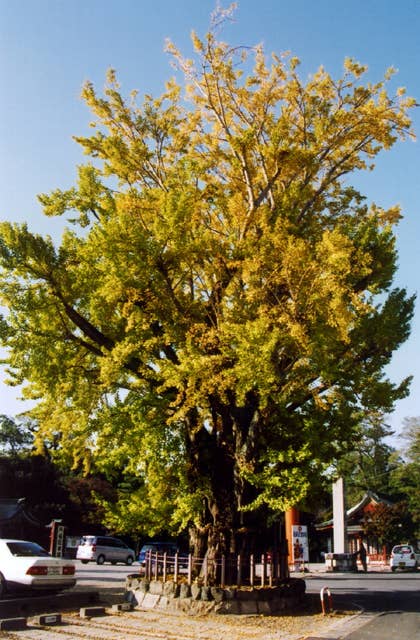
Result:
x=102 y=549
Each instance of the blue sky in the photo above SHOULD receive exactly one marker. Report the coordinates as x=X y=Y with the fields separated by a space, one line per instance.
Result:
x=48 y=48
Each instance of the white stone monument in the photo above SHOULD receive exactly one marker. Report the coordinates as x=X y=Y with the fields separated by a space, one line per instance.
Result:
x=339 y=517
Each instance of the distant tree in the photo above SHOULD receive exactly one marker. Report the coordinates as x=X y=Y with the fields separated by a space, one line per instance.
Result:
x=15 y=437
x=83 y=510
x=405 y=479
x=50 y=490
x=36 y=479
x=369 y=465
x=389 y=524
x=220 y=317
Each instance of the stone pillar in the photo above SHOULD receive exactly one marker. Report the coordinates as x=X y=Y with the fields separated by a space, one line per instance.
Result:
x=339 y=517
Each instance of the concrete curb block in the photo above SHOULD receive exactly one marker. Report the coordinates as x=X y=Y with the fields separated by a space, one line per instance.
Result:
x=92 y=612
x=124 y=606
x=12 y=624
x=38 y=604
x=47 y=619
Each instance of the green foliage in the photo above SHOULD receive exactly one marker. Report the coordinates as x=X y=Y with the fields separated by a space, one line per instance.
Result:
x=368 y=466
x=389 y=524
x=218 y=322
x=82 y=512
x=27 y=476
x=377 y=467
x=14 y=437
x=405 y=479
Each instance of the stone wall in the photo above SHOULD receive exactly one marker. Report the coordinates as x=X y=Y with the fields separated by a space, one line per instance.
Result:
x=195 y=599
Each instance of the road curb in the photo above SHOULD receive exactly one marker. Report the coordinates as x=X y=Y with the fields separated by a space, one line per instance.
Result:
x=12 y=624
x=32 y=605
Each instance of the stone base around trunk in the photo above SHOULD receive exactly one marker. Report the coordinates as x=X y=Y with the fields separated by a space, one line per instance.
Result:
x=199 y=600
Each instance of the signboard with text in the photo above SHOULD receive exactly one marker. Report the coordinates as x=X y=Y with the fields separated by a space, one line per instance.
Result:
x=300 y=545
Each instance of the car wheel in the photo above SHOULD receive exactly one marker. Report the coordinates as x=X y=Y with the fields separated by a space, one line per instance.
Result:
x=100 y=559
x=393 y=569
x=84 y=561
x=2 y=586
x=129 y=560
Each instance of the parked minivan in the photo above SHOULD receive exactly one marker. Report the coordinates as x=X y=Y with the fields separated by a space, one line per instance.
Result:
x=102 y=549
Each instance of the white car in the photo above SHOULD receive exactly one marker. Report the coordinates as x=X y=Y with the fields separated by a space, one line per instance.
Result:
x=26 y=565
x=404 y=556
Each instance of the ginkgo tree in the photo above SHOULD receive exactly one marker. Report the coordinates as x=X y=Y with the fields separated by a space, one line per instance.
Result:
x=217 y=318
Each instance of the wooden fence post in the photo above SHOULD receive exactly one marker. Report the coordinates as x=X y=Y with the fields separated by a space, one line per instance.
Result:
x=206 y=570
x=223 y=572
x=164 y=567
x=149 y=565
x=262 y=570
x=239 y=570
x=176 y=568
x=156 y=567
x=189 y=569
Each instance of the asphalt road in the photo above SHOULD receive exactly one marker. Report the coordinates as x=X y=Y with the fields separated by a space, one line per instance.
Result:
x=390 y=602
x=107 y=578
x=375 y=592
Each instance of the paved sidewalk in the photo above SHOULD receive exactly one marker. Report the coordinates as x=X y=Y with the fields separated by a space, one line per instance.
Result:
x=156 y=625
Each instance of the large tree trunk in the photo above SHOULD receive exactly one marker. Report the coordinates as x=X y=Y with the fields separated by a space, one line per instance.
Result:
x=212 y=471
x=214 y=453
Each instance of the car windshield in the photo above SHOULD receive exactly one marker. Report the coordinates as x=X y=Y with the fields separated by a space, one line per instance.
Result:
x=148 y=547
x=26 y=549
x=402 y=549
